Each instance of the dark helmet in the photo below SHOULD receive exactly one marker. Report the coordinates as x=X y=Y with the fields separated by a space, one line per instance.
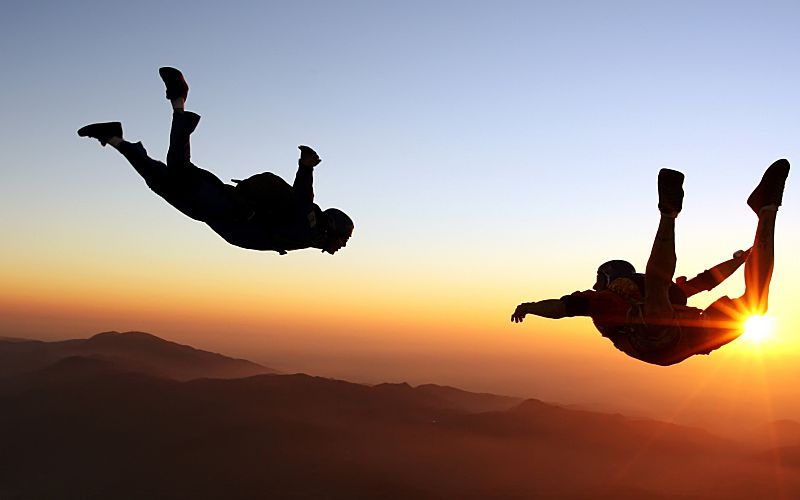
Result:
x=613 y=269
x=340 y=225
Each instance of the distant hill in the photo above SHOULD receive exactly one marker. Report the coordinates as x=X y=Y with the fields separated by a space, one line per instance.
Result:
x=775 y=434
x=788 y=456
x=88 y=427
x=786 y=432
x=438 y=396
x=133 y=351
x=12 y=339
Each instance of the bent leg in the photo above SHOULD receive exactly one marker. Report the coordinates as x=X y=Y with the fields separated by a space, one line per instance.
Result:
x=661 y=264
x=723 y=321
x=656 y=338
x=764 y=200
x=195 y=192
x=759 y=265
x=179 y=152
x=659 y=271
x=152 y=171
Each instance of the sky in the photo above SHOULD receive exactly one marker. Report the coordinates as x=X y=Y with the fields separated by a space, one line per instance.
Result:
x=489 y=153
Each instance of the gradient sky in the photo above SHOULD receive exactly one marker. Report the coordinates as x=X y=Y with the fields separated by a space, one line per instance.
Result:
x=489 y=152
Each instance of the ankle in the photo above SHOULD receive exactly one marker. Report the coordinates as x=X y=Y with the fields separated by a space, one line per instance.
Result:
x=115 y=141
x=178 y=104
x=768 y=208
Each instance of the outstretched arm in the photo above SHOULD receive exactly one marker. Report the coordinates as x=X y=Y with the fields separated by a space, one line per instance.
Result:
x=304 y=179
x=710 y=278
x=549 y=308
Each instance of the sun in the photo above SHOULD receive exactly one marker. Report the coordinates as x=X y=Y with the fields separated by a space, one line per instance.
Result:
x=758 y=329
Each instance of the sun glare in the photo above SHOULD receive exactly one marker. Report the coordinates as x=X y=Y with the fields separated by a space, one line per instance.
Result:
x=757 y=329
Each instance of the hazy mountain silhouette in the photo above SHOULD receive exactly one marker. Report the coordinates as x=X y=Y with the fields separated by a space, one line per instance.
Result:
x=439 y=396
x=788 y=456
x=89 y=427
x=13 y=339
x=782 y=431
x=775 y=434
x=784 y=438
x=135 y=351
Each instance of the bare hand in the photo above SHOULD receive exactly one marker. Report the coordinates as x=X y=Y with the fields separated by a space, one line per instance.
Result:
x=308 y=157
x=520 y=312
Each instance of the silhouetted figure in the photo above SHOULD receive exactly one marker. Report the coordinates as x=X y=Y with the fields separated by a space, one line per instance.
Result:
x=262 y=212
x=646 y=316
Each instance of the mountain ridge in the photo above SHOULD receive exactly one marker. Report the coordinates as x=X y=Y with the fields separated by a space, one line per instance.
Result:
x=103 y=426
x=140 y=351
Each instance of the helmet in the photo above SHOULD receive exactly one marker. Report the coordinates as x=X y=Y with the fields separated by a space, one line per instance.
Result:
x=613 y=269
x=340 y=225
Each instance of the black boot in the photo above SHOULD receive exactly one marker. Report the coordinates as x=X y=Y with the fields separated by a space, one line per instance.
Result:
x=770 y=190
x=670 y=191
x=176 y=84
x=102 y=131
x=187 y=120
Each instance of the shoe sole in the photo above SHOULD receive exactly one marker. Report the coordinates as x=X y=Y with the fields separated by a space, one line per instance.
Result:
x=175 y=82
x=770 y=190
x=88 y=131
x=670 y=190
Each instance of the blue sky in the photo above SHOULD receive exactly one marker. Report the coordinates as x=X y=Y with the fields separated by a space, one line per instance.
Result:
x=479 y=108
x=494 y=131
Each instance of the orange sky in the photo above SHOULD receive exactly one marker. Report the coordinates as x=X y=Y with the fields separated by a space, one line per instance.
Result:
x=383 y=327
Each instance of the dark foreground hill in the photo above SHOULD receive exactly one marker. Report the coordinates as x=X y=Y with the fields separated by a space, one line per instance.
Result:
x=133 y=351
x=87 y=428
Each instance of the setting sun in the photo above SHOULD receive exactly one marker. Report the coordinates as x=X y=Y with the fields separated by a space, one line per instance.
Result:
x=758 y=329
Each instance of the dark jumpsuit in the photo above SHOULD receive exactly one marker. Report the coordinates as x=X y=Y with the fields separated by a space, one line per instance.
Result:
x=201 y=195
